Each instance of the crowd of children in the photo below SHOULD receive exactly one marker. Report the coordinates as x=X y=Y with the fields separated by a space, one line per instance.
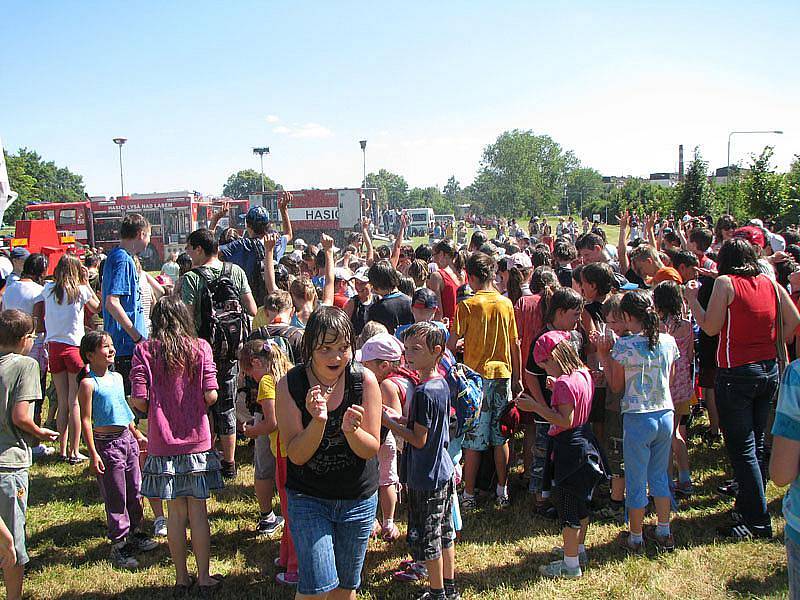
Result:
x=382 y=382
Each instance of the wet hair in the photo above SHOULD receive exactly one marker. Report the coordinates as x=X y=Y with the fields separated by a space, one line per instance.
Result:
x=638 y=304
x=383 y=276
x=600 y=275
x=566 y=357
x=204 y=239
x=724 y=223
x=184 y=261
x=302 y=289
x=738 y=257
x=173 y=328
x=418 y=271
x=423 y=252
x=563 y=298
x=541 y=257
x=67 y=277
x=269 y=352
x=478 y=239
x=444 y=246
x=611 y=306
x=565 y=251
x=588 y=241
x=132 y=225
x=14 y=325
x=278 y=301
x=542 y=278
x=701 y=237
x=481 y=267
x=516 y=277
x=668 y=300
x=326 y=325
x=406 y=286
x=35 y=267
x=430 y=332
x=91 y=342
x=685 y=258
x=371 y=329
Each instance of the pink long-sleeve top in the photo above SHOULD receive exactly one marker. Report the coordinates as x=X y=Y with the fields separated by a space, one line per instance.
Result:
x=177 y=421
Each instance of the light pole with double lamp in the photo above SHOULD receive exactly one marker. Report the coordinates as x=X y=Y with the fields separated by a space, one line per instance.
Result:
x=120 y=141
x=728 y=163
x=261 y=152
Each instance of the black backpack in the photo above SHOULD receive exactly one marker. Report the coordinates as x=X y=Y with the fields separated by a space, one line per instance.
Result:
x=223 y=322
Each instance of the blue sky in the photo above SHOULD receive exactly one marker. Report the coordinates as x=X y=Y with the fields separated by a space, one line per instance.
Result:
x=195 y=85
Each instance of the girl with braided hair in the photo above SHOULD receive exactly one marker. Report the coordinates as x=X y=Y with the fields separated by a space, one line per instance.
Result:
x=643 y=364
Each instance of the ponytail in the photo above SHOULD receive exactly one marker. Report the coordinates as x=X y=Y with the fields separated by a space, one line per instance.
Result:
x=516 y=277
x=638 y=304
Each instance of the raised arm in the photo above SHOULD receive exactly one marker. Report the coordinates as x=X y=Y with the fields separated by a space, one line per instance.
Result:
x=284 y=201
x=622 y=242
x=650 y=227
x=365 y=235
x=215 y=218
x=328 y=289
x=269 y=268
x=398 y=242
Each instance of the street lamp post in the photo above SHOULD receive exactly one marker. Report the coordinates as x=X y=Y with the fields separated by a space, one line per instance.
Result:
x=261 y=152
x=119 y=141
x=728 y=163
x=363 y=144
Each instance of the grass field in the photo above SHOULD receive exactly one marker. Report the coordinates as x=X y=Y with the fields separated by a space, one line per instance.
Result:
x=497 y=556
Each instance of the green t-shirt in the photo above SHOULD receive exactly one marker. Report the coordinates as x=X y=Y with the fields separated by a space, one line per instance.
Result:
x=193 y=284
x=19 y=382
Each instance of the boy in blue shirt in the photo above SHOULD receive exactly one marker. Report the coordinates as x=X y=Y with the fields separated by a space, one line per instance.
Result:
x=426 y=467
x=784 y=467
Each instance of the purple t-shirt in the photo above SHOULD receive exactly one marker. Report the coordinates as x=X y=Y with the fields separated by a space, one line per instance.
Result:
x=177 y=422
x=576 y=389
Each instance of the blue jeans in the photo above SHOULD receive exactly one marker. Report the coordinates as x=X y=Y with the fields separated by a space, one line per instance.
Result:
x=793 y=564
x=646 y=447
x=744 y=397
x=330 y=537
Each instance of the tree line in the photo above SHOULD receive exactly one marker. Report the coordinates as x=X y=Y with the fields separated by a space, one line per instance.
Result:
x=522 y=173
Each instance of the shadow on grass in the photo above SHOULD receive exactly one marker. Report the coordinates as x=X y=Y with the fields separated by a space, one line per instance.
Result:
x=750 y=587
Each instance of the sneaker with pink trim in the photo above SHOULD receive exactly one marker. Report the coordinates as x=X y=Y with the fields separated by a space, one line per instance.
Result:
x=287 y=578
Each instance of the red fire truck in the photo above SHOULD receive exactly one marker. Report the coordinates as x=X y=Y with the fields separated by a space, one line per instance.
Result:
x=172 y=215
x=314 y=212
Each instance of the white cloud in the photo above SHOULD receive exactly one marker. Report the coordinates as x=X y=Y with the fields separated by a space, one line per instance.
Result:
x=307 y=130
x=273 y=119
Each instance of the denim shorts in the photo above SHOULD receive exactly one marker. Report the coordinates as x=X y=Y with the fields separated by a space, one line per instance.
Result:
x=793 y=564
x=486 y=434
x=646 y=447
x=330 y=537
x=13 y=506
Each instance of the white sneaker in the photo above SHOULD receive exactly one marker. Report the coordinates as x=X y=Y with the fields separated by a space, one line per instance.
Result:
x=160 y=527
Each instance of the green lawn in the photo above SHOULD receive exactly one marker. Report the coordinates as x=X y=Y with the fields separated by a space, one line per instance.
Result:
x=497 y=556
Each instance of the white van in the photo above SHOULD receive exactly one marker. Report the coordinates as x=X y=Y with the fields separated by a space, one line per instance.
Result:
x=420 y=221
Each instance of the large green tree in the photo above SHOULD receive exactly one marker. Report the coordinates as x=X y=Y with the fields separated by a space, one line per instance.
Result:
x=392 y=188
x=694 y=193
x=248 y=181
x=584 y=186
x=452 y=189
x=37 y=180
x=523 y=173
x=766 y=191
x=430 y=197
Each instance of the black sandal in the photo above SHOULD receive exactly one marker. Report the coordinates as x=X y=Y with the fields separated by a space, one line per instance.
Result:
x=205 y=590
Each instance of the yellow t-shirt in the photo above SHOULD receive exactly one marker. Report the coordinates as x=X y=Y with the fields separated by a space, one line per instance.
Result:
x=486 y=322
x=266 y=392
x=260 y=320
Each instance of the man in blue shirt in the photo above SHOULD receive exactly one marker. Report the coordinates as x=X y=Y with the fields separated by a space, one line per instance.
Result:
x=248 y=252
x=123 y=315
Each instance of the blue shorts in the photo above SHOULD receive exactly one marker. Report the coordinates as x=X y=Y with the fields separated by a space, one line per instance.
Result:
x=330 y=538
x=646 y=447
x=486 y=434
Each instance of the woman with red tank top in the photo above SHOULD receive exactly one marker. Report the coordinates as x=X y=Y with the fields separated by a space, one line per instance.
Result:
x=445 y=282
x=743 y=310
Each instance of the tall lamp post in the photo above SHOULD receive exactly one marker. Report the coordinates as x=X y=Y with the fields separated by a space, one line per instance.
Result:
x=261 y=152
x=728 y=163
x=120 y=141
x=363 y=144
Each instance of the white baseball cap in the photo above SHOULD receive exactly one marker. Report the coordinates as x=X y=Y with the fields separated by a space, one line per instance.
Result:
x=383 y=346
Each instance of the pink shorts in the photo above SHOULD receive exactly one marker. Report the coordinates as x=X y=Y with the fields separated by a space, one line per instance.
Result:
x=64 y=357
x=387 y=462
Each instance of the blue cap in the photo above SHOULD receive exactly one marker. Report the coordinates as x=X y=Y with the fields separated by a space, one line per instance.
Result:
x=19 y=252
x=257 y=214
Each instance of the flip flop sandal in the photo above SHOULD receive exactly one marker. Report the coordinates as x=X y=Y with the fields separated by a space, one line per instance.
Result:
x=207 y=590
x=179 y=590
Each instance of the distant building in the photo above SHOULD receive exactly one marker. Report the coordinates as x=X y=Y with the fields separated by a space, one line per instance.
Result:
x=721 y=175
x=614 y=181
x=664 y=179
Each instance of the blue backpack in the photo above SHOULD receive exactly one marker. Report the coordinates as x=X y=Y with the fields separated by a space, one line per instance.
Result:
x=466 y=393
